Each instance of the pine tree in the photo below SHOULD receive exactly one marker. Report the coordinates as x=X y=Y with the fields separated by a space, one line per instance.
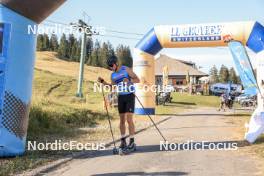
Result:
x=223 y=74
x=96 y=54
x=89 y=49
x=232 y=76
x=40 y=42
x=72 y=47
x=74 y=55
x=54 y=43
x=63 y=47
x=214 y=78
x=111 y=49
x=124 y=55
x=104 y=53
x=46 y=42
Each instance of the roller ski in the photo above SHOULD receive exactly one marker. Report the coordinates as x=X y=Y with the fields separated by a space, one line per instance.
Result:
x=115 y=151
x=126 y=149
x=123 y=147
x=132 y=147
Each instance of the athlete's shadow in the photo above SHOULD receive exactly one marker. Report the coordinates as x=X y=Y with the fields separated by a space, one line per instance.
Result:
x=149 y=149
x=142 y=173
x=191 y=146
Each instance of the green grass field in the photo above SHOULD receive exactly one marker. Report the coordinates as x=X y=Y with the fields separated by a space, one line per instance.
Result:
x=195 y=100
x=183 y=101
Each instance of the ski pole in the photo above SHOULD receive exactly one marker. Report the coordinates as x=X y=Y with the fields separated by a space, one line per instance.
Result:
x=109 y=121
x=151 y=119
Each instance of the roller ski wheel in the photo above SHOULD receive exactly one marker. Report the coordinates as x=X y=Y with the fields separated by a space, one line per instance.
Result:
x=115 y=151
x=132 y=147
x=128 y=149
x=123 y=151
x=122 y=148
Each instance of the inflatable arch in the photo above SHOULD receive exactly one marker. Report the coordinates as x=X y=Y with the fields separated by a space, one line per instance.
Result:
x=250 y=34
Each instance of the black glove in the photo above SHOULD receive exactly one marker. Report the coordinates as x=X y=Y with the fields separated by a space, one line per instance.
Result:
x=101 y=80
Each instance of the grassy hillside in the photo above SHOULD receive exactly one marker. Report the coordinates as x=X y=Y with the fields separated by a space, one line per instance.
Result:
x=48 y=61
x=54 y=105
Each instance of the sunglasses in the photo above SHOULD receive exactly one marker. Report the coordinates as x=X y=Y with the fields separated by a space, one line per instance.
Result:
x=111 y=65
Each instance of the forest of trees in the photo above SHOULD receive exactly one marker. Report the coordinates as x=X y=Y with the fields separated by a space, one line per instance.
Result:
x=224 y=75
x=69 y=48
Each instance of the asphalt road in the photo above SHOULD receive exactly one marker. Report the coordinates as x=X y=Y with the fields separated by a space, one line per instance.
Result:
x=201 y=125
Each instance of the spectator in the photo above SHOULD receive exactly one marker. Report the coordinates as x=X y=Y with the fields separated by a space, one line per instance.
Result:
x=223 y=99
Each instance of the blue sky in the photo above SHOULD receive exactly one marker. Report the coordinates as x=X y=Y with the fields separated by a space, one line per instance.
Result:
x=138 y=16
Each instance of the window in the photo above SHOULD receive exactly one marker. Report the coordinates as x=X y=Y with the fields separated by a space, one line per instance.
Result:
x=170 y=81
x=179 y=82
x=1 y=37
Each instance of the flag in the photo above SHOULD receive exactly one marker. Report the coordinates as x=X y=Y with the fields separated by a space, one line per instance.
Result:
x=165 y=75
x=244 y=67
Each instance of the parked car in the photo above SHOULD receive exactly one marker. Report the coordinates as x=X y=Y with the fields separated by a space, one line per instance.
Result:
x=220 y=88
x=250 y=101
x=242 y=97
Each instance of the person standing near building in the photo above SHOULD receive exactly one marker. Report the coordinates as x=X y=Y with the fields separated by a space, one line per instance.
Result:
x=222 y=102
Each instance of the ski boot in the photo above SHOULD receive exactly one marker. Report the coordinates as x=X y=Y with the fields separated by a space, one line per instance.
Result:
x=132 y=146
x=123 y=147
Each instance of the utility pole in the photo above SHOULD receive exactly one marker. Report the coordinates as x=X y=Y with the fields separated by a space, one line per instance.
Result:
x=86 y=32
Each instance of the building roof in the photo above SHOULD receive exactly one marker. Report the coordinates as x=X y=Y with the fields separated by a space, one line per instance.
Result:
x=175 y=67
x=190 y=63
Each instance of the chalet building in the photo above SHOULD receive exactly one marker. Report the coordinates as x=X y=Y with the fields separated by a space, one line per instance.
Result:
x=179 y=71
